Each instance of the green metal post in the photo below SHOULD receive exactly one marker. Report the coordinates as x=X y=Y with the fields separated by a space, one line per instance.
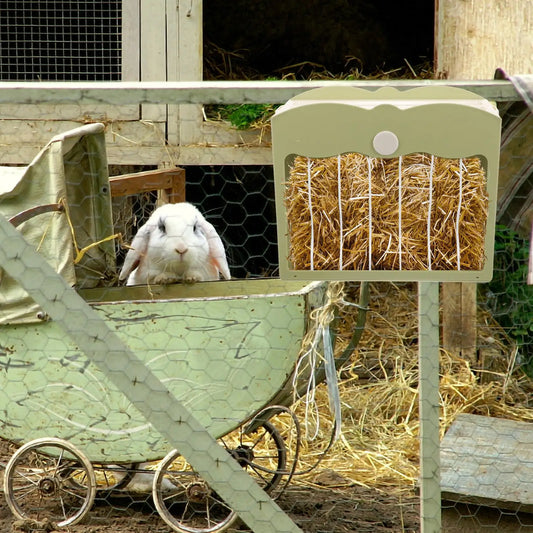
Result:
x=428 y=338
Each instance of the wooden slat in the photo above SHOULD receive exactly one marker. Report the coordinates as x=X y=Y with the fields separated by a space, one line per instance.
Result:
x=488 y=461
x=131 y=35
x=73 y=111
x=171 y=181
x=153 y=52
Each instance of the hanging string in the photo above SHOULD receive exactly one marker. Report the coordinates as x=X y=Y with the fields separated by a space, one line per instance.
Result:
x=369 y=162
x=400 y=210
x=310 y=359
x=458 y=219
x=310 y=206
x=430 y=207
x=340 y=209
x=306 y=364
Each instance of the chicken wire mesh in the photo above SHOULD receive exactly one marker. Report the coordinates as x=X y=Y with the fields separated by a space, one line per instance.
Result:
x=367 y=481
x=237 y=200
x=49 y=478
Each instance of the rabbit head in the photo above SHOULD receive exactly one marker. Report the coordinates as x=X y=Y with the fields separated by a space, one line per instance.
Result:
x=176 y=243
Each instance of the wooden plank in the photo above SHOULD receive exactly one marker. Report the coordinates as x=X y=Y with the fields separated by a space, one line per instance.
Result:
x=38 y=132
x=131 y=35
x=488 y=461
x=127 y=142
x=469 y=316
x=173 y=62
x=153 y=52
x=219 y=92
x=72 y=111
x=169 y=180
x=189 y=68
x=224 y=155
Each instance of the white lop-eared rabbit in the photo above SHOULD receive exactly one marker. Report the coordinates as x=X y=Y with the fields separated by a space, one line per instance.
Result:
x=176 y=243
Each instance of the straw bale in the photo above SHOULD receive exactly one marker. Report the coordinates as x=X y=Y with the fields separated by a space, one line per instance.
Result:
x=453 y=210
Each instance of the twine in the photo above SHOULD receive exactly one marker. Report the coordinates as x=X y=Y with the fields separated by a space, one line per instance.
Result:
x=458 y=218
x=430 y=207
x=339 y=193
x=400 y=212
x=310 y=207
x=310 y=358
x=80 y=252
x=369 y=213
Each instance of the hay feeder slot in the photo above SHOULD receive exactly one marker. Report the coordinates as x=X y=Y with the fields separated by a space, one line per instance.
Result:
x=386 y=184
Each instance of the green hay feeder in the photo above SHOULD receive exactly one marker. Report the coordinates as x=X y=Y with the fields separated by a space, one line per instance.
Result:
x=386 y=184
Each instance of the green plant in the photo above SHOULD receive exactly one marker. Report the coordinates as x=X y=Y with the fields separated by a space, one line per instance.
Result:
x=244 y=116
x=509 y=297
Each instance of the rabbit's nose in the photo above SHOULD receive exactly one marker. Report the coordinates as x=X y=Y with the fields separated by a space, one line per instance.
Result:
x=181 y=249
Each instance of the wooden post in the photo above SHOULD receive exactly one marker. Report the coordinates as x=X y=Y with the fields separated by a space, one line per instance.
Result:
x=459 y=330
x=428 y=360
x=473 y=39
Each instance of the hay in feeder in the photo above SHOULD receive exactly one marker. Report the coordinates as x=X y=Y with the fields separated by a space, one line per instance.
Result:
x=416 y=212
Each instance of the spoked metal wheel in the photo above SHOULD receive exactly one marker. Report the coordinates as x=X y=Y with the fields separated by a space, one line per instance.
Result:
x=185 y=501
x=262 y=453
x=189 y=505
x=49 y=479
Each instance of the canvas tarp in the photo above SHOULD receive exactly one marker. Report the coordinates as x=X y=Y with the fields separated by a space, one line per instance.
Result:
x=71 y=170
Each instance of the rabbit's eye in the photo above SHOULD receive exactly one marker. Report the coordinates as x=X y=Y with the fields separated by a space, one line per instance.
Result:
x=196 y=228
x=161 y=226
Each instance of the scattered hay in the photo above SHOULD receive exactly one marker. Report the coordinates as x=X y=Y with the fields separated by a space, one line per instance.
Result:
x=379 y=446
x=223 y=65
x=433 y=218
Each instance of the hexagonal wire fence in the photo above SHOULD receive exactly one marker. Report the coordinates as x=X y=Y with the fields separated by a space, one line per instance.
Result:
x=379 y=443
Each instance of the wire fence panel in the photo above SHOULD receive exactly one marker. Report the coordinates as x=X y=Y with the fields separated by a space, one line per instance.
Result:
x=250 y=424
x=61 y=41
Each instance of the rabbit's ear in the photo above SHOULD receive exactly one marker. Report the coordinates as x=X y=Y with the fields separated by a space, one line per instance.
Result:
x=217 y=253
x=136 y=253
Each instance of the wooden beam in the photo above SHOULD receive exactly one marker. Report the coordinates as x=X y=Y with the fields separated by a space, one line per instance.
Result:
x=472 y=41
x=218 y=92
x=169 y=180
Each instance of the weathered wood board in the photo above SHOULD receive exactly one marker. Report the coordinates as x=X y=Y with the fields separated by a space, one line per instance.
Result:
x=488 y=461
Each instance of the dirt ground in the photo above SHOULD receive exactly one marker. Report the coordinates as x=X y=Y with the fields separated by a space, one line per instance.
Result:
x=314 y=509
